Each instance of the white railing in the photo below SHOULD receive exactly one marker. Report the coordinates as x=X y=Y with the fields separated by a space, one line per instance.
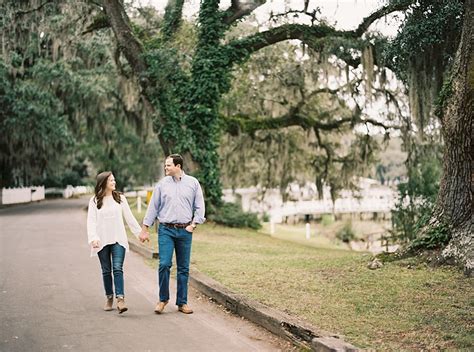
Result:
x=22 y=195
x=71 y=191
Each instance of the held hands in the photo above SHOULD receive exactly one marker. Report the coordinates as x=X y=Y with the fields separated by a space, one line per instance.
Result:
x=144 y=236
x=95 y=244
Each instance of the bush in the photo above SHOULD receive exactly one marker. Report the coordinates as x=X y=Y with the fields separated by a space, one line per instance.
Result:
x=418 y=194
x=436 y=237
x=231 y=215
x=346 y=234
x=327 y=220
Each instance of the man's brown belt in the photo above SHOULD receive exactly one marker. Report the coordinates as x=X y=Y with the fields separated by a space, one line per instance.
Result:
x=176 y=226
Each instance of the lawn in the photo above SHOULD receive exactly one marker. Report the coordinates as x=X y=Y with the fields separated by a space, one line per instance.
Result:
x=402 y=306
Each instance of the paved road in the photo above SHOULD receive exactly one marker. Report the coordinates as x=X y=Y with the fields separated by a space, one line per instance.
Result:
x=51 y=295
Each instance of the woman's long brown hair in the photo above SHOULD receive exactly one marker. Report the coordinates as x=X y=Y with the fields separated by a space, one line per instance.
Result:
x=100 y=189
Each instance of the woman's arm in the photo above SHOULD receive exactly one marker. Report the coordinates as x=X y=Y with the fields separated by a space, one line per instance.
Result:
x=92 y=222
x=129 y=218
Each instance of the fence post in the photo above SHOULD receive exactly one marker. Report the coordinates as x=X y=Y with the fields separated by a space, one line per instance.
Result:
x=308 y=231
x=139 y=205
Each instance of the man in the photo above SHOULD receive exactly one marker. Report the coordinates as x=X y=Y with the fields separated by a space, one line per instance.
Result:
x=178 y=204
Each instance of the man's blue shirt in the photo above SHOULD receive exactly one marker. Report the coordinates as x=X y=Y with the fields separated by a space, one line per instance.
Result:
x=176 y=201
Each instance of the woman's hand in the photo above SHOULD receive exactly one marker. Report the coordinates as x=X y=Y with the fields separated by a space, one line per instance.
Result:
x=144 y=236
x=95 y=244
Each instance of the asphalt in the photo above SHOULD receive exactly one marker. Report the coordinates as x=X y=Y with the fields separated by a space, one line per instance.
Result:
x=51 y=295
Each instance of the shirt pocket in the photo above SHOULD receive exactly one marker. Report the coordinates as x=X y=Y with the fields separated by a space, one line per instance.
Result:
x=168 y=193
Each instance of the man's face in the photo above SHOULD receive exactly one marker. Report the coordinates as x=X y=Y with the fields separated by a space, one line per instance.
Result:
x=171 y=169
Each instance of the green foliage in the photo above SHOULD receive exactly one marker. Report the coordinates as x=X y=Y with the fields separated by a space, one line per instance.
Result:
x=430 y=24
x=230 y=214
x=418 y=194
x=444 y=94
x=346 y=233
x=422 y=53
x=67 y=112
x=434 y=238
x=34 y=129
x=327 y=220
x=272 y=84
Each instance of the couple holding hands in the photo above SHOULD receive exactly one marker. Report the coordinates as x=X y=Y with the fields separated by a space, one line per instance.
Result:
x=177 y=204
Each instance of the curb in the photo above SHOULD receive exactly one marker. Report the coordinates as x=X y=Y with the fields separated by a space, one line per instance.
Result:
x=277 y=322
x=145 y=252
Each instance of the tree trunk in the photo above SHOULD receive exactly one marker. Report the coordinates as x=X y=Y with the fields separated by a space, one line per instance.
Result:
x=454 y=205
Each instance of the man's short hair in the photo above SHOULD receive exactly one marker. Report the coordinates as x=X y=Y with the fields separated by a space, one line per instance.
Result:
x=177 y=159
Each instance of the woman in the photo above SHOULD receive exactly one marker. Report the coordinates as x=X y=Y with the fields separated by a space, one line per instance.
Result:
x=107 y=236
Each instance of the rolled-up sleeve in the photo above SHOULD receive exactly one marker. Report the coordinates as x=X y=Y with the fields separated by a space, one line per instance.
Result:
x=153 y=207
x=198 y=206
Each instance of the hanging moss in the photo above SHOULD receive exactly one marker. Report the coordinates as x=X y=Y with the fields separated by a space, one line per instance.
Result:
x=422 y=52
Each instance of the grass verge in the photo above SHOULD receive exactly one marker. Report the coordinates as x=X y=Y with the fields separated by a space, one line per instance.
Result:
x=405 y=305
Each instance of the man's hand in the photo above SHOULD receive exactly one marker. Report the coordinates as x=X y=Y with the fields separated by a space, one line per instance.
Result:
x=190 y=228
x=95 y=244
x=144 y=235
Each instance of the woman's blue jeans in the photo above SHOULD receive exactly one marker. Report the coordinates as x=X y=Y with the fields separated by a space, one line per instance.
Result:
x=170 y=240
x=111 y=260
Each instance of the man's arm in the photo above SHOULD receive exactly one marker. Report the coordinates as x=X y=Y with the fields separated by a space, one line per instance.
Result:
x=198 y=206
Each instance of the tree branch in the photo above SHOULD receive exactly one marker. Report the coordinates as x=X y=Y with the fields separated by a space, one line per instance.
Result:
x=101 y=21
x=236 y=125
x=173 y=17
x=307 y=34
x=25 y=12
x=310 y=35
x=393 y=6
x=238 y=10
x=127 y=42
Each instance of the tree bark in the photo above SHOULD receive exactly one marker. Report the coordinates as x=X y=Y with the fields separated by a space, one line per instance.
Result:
x=454 y=205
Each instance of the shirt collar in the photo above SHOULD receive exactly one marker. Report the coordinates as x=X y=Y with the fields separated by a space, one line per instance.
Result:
x=179 y=178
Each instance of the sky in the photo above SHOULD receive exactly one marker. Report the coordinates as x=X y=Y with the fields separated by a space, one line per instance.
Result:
x=344 y=14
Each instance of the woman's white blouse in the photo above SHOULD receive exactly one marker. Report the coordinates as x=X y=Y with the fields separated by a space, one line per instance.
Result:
x=106 y=224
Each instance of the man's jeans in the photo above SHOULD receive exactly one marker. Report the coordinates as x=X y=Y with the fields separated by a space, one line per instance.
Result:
x=169 y=240
x=111 y=259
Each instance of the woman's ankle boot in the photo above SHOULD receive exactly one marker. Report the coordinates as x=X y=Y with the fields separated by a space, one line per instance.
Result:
x=121 y=305
x=109 y=303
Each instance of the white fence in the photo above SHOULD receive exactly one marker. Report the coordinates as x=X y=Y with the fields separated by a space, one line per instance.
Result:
x=22 y=195
x=69 y=191
x=37 y=193
x=371 y=198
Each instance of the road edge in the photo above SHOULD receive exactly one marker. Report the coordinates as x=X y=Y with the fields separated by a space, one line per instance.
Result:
x=277 y=322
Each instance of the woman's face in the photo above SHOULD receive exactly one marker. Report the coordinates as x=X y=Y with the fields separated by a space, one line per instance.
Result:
x=110 y=183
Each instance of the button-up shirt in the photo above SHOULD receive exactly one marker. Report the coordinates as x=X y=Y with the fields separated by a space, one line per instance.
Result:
x=178 y=201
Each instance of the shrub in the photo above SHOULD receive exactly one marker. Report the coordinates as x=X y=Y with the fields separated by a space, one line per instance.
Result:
x=327 y=220
x=231 y=215
x=346 y=234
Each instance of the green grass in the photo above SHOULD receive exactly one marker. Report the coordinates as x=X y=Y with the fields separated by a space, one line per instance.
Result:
x=323 y=236
x=392 y=308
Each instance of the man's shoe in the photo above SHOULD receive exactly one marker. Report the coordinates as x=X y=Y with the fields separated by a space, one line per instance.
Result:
x=109 y=303
x=160 y=307
x=184 y=308
x=121 y=305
